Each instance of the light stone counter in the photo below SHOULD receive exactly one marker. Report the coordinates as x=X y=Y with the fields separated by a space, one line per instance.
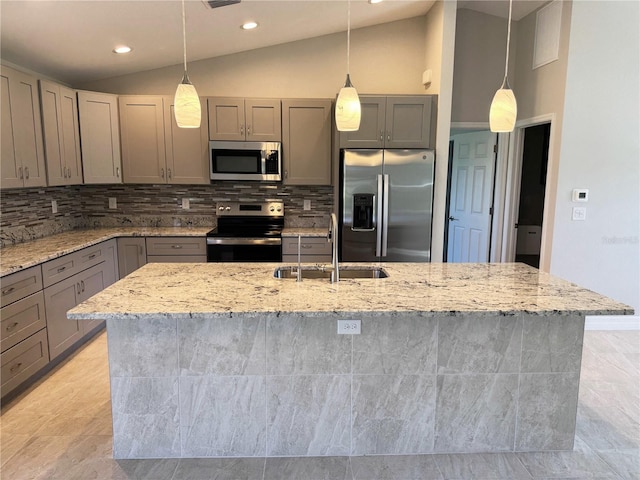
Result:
x=304 y=232
x=220 y=360
x=28 y=254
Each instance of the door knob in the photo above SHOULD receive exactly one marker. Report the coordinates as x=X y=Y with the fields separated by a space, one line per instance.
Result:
x=452 y=218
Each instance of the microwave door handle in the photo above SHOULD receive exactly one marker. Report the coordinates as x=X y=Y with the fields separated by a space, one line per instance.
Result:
x=263 y=161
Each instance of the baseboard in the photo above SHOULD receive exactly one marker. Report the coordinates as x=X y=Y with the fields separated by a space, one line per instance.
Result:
x=612 y=322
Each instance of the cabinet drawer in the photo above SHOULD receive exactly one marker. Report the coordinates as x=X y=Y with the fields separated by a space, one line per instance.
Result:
x=21 y=319
x=177 y=246
x=23 y=360
x=56 y=270
x=177 y=259
x=21 y=284
x=308 y=246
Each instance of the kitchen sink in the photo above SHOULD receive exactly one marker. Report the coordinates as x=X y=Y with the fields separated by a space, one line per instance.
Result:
x=319 y=272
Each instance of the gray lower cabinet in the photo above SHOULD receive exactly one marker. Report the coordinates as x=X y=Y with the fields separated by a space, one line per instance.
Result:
x=312 y=250
x=176 y=249
x=132 y=254
x=66 y=294
x=23 y=360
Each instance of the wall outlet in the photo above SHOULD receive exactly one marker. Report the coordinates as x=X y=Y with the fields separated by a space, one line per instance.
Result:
x=306 y=205
x=349 y=327
x=54 y=206
x=113 y=203
x=185 y=204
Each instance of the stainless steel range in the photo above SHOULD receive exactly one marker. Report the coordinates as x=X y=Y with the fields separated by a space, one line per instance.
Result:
x=247 y=232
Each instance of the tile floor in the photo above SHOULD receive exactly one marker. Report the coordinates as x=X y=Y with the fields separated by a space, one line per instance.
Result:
x=61 y=429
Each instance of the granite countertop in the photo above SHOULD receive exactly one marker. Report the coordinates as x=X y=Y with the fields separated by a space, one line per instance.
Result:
x=24 y=255
x=304 y=232
x=212 y=290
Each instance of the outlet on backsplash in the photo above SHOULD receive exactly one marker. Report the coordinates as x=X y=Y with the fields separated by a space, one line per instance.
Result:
x=306 y=205
x=185 y=204
x=54 y=206
x=113 y=203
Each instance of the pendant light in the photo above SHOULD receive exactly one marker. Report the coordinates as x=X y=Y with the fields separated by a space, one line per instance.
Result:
x=348 y=103
x=504 y=108
x=186 y=102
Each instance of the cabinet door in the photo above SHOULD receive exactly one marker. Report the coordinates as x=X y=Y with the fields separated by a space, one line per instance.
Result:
x=100 y=137
x=187 y=149
x=371 y=132
x=59 y=299
x=132 y=254
x=11 y=174
x=142 y=137
x=93 y=281
x=408 y=122
x=71 y=135
x=263 y=120
x=27 y=162
x=22 y=319
x=226 y=118
x=52 y=133
x=307 y=142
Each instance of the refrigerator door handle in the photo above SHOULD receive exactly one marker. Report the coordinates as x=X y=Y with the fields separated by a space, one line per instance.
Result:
x=379 y=218
x=385 y=214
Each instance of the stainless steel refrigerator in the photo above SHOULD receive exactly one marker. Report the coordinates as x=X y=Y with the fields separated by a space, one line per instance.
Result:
x=386 y=205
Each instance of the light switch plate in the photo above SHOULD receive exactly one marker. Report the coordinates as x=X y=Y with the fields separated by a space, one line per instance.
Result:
x=54 y=206
x=306 y=205
x=113 y=203
x=185 y=204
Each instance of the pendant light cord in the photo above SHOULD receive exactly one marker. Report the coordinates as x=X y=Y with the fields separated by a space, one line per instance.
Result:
x=184 y=37
x=506 y=63
x=348 y=33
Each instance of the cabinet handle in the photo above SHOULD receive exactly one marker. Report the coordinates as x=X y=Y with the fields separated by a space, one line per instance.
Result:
x=162 y=172
x=69 y=172
x=78 y=288
x=92 y=256
x=248 y=129
x=82 y=284
x=381 y=135
x=7 y=291
x=118 y=172
x=306 y=246
x=20 y=173
x=169 y=173
x=286 y=174
x=61 y=269
x=12 y=326
x=64 y=172
x=388 y=136
x=241 y=129
x=176 y=246
x=26 y=172
x=16 y=367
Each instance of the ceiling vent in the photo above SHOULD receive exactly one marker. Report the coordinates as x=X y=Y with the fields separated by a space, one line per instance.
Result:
x=219 y=3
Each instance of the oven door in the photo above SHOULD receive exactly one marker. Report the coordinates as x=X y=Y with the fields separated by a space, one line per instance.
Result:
x=221 y=249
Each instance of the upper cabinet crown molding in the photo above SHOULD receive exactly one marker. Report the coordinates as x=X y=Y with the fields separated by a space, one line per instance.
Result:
x=100 y=137
x=250 y=119
x=22 y=162
x=400 y=121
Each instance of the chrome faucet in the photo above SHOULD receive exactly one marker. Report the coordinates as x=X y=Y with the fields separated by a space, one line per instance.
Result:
x=332 y=236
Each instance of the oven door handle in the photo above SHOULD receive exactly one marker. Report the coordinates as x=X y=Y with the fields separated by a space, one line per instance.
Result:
x=243 y=241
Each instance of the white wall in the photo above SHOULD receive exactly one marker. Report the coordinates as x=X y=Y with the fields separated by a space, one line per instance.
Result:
x=385 y=59
x=601 y=151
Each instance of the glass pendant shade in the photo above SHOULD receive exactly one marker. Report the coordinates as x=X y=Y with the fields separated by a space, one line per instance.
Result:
x=187 y=105
x=348 y=108
x=504 y=110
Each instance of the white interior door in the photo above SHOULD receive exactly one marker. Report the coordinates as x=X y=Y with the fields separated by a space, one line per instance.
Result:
x=471 y=197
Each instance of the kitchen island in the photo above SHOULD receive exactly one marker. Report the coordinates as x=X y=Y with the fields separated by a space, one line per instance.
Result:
x=220 y=360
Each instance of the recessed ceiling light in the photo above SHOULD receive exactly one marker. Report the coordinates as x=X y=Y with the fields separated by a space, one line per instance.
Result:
x=122 y=49
x=249 y=25
x=374 y=1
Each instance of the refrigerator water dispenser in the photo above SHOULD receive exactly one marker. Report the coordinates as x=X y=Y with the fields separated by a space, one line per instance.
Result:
x=363 y=212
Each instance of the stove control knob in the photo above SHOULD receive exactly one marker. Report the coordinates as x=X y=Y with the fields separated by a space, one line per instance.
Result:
x=228 y=209
x=272 y=209
x=279 y=209
x=221 y=208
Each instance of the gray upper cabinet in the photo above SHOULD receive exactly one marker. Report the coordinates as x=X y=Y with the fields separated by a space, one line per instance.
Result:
x=250 y=119
x=400 y=121
x=22 y=162
x=306 y=141
x=61 y=134
x=100 y=137
x=155 y=149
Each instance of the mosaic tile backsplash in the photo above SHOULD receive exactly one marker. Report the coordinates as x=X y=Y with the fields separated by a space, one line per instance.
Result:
x=26 y=214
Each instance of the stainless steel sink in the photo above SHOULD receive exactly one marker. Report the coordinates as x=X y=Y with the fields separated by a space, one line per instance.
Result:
x=317 y=272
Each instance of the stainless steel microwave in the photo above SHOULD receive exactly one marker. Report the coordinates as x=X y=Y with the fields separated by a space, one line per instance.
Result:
x=246 y=161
